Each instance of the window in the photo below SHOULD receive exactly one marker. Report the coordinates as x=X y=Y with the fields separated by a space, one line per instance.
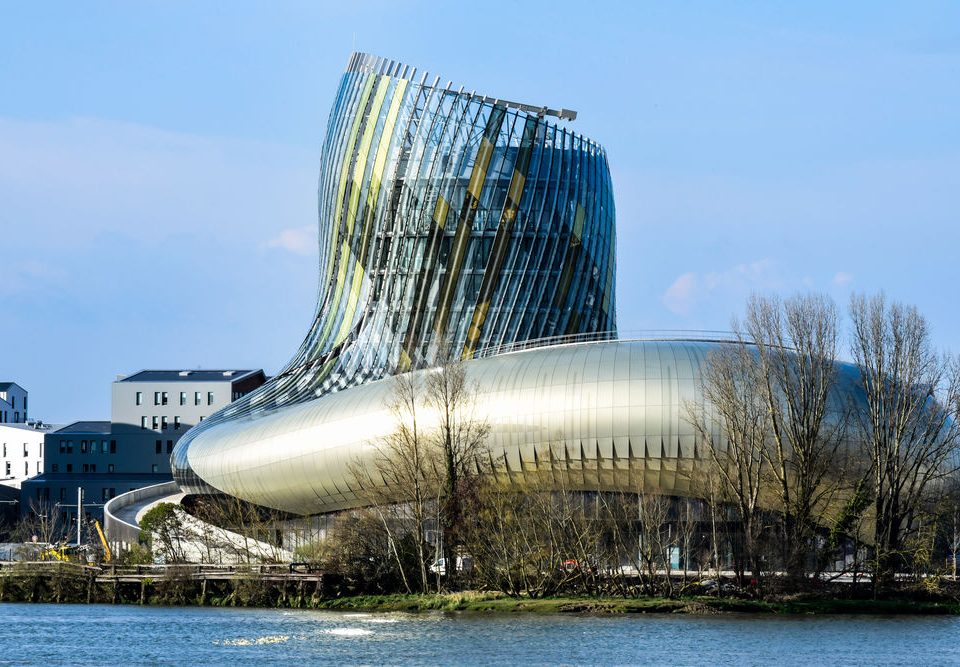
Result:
x=209 y=398
x=83 y=446
x=69 y=467
x=163 y=423
x=156 y=423
x=183 y=398
x=156 y=398
x=153 y=468
x=113 y=446
x=110 y=467
x=143 y=422
x=197 y=398
x=201 y=417
x=8 y=473
x=69 y=446
x=104 y=447
x=25 y=450
x=169 y=446
x=5 y=449
x=86 y=467
x=159 y=446
x=55 y=467
x=41 y=448
x=139 y=398
x=163 y=398
x=108 y=494
x=16 y=417
x=176 y=422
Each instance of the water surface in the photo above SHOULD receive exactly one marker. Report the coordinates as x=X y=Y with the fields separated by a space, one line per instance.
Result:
x=124 y=635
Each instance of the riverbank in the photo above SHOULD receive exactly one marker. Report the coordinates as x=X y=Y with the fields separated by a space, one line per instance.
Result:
x=270 y=587
x=496 y=602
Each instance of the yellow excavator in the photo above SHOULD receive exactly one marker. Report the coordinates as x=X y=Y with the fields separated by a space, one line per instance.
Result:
x=66 y=552
x=56 y=552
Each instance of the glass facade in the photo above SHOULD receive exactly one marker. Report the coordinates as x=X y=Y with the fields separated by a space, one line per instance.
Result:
x=448 y=220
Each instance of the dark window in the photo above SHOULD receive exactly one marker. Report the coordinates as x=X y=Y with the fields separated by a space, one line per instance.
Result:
x=69 y=467
x=113 y=446
x=209 y=398
x=169 y=446
x=83 y=446
x=159 y=446
x=163 y=398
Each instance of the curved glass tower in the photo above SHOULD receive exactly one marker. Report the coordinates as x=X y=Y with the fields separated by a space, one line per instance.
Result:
x=448 y=220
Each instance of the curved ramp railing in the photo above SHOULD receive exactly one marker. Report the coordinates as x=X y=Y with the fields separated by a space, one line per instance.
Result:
x=120 y=513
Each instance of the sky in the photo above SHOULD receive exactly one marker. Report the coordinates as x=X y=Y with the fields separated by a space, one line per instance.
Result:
x=159 y=161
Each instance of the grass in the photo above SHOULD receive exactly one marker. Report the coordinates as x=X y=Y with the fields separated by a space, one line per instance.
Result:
x=497 y=602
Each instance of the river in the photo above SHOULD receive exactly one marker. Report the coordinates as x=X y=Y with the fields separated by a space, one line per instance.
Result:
x=47 y=635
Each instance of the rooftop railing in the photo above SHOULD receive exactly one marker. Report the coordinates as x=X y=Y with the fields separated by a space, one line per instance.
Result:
x=604 y=336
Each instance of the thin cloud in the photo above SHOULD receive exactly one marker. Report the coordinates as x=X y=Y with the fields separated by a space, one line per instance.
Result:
x=298 y=240
x=842 y=278
x=692 y=290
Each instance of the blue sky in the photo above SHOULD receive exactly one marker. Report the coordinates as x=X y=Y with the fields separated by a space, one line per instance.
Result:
x=158 y=162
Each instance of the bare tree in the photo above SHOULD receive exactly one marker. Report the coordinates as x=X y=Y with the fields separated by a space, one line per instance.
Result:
x=795 y=345
x=738 y=452
x=911 y=395
x=655 y=540
x=403 y=486
x=458 y=439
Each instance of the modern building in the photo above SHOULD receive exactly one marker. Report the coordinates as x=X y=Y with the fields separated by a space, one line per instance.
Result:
x=21 y=451
x=451 y=220
x=150 y=411
x=13 y=403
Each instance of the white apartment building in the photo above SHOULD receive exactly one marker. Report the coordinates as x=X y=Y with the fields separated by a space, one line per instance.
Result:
x=13 y=403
